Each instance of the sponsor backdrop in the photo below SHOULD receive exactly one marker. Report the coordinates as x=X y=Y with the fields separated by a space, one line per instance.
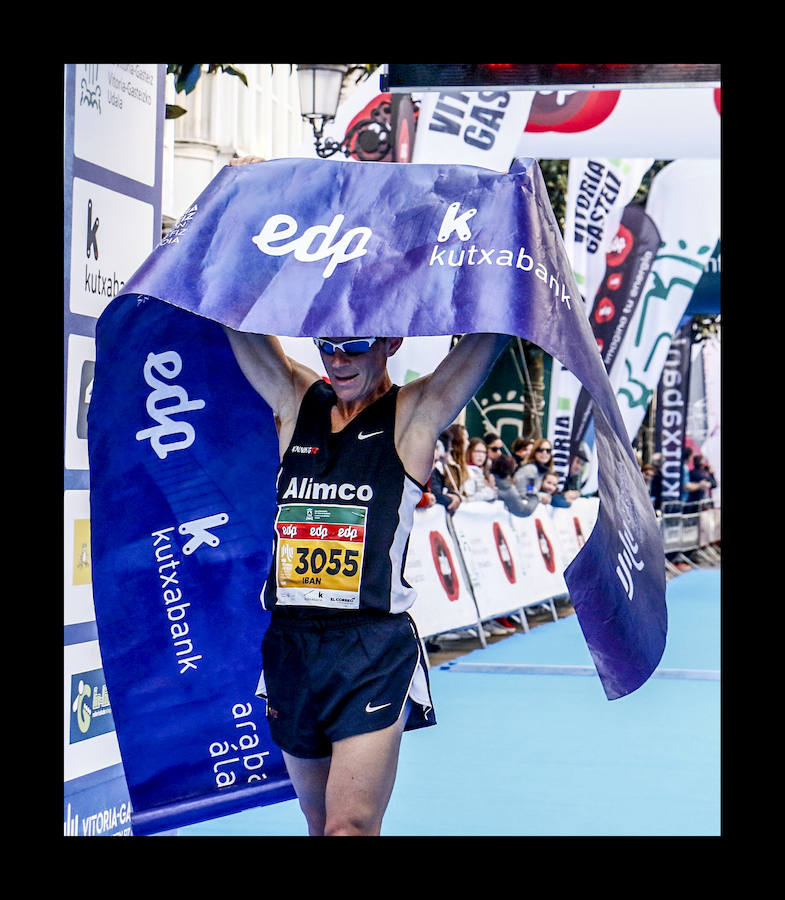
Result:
x=198 y=536
x=112 y=189
x=303 y=247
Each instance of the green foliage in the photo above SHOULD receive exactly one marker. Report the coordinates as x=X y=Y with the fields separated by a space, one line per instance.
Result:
x=186 y=76
x=554 y=173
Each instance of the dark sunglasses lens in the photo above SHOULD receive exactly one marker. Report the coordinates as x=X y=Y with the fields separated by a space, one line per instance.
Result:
x=350 y=347
x=355 y=347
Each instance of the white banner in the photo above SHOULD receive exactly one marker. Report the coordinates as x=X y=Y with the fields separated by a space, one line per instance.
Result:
x=496 y=564
x=490 y=551
x=663 y=123
x=435 y=570
x=684 y=204
x=474 y=129
x=573 y=526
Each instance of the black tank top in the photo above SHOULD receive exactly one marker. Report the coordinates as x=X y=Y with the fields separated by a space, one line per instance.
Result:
x=345 y=511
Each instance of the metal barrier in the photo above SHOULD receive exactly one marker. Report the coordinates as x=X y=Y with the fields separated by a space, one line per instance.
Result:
x=690 y=528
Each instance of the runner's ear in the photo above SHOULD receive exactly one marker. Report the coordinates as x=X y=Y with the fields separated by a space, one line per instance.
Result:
x=392 y=345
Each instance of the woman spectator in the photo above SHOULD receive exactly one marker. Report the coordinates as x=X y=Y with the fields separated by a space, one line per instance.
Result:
x=521 y=450
x=456 y=474
x=495 y=446
x=448 y=498
x=480 y=484
x=502 y=470
x=528 y=477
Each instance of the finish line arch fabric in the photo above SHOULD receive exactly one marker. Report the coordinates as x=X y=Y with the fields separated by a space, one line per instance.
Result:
x=183 y=453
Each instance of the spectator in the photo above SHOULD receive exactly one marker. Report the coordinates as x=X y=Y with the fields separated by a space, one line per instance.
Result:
x=655 y=488
x=521 y=450
x=455 y=472
x=495 y=447
x=450 y=500
x=480 y=484
x=691 y=490
x=702 y=471
x=502 y=470
x=575 y=480
x=549 y=491
x=649 y=473
x=529 y=476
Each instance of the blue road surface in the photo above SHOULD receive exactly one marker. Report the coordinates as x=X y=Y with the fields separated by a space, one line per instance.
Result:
x=527 y=743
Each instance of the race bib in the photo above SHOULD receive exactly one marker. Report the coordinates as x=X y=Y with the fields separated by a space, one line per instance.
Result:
x=320 y=555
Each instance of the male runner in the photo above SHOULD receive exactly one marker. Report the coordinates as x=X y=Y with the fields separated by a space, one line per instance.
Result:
x=342 y=665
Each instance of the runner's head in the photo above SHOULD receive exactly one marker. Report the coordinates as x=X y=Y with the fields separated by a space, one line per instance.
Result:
x=356 y=366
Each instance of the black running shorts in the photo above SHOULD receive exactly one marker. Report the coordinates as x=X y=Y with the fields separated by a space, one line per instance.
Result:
x=330 y=678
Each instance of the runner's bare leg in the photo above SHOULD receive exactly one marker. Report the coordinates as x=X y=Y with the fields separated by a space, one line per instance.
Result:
x=348 y=793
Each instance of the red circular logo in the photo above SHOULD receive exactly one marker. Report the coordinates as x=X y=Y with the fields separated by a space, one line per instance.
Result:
x=503 y=549
x=578 y=111
x=621 y=246
x=578 y=531
x=545 y=547
x=444 y=565
x=605 y=311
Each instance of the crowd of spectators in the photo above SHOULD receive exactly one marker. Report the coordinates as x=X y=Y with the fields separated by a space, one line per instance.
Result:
x=472 y=470
x=476 y=470
x=481 y=469
x=697 y=478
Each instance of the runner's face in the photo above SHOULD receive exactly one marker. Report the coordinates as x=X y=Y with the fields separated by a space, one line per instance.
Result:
x=355 y=376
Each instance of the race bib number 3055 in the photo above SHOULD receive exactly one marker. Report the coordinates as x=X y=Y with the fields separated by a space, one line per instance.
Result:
x=320 y=554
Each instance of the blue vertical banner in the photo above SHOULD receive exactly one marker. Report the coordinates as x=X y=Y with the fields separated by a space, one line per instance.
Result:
x=183 y=453
x=183 y=458
x=113 y=170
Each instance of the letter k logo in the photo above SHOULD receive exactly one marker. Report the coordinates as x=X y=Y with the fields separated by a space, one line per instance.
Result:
x=452 y=222
x=199 y=533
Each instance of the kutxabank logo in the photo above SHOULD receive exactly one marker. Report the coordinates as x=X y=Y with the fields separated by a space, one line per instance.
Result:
x=279 y=236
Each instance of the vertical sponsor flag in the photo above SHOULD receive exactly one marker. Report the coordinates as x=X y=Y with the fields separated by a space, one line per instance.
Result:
x=695 y=423
x=672 y=405
x=684 y=204
x=628 y=263
x=183 y=453
x=712 y=443
x=598 y=190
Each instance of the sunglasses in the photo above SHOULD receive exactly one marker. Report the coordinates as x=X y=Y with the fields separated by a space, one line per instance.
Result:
x=544 y=450
x=495 y=449
x=352 y=348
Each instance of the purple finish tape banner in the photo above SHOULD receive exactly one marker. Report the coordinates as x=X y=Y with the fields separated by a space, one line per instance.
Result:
x=183 y=452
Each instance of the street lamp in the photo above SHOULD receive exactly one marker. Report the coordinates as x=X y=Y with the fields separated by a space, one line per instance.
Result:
x=320 y=90
x=370 y=137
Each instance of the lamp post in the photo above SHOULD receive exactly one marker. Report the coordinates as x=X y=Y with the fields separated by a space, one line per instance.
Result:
x=320 y=90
